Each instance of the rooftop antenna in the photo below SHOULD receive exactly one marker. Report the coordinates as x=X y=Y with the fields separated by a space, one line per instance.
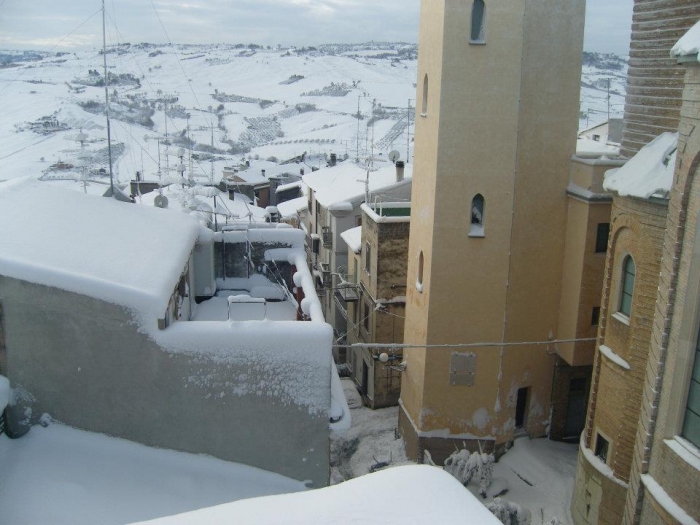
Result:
x=109 y=133
x=357 y=153
x=211 y=176
x=408 y=131
x=189 y=150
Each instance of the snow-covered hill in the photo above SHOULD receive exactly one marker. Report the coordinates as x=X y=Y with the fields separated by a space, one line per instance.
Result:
x=225 y=102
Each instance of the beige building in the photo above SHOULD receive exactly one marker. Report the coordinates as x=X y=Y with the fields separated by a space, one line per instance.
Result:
x=496 y=130
x=335 y=194
x=640 y=453
x=375 y=299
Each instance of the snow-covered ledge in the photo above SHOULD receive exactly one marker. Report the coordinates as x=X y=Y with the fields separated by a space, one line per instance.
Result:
x=685 y=450
x=615 y=358
x=666 y=502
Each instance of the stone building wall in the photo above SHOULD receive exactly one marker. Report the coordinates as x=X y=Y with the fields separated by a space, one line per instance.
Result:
x=637 y=229
x=655 y=81
x=674 y=339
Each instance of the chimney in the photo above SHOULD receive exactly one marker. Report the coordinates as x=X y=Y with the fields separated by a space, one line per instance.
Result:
x=301 y=172
x=334 y=159
x=399 y=170
x=263 y=173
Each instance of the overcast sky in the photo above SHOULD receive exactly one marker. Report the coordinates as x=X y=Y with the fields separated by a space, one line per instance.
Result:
x=41 y=24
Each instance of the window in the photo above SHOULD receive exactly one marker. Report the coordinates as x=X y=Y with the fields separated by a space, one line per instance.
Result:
x=691 y=423
x=595 y=316
x=368 y=257
x=424 y=110
x=419 y=280
x=601 y=448
x=476 y=227
x=628 y=274
x=601 y=239
x=478 y=9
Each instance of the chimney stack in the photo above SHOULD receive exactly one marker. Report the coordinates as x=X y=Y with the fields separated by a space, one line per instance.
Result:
x=334 y=159
x=399 y=170
x=263 y=173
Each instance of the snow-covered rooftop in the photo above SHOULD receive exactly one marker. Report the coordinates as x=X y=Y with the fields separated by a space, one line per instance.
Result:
x=585 y=146
x=292 y=208
x=649 y=173
x=689 y=44
x=124 y=254
x=62 y=475
x=409 y=494
x=353 y=238
x=345 y=181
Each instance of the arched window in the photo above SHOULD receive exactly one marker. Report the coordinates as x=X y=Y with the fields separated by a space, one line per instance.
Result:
x=627 y=285
x=419 y=279
x=476 y=227
x=424 y=110
x=478 y=11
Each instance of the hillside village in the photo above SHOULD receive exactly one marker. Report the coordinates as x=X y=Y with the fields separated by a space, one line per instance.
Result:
x=463 y=273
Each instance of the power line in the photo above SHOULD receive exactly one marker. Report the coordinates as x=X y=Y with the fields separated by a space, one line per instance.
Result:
x=466 y=345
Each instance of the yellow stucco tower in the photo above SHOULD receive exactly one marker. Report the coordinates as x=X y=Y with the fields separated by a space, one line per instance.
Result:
x=497 y=115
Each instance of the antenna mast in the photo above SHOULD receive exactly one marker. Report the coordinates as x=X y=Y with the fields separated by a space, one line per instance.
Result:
x=109 y=133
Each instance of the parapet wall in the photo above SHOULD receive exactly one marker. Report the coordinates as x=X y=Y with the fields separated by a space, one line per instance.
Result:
x=255 y=392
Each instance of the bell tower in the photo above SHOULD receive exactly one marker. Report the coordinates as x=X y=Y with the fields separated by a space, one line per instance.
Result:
x=497 y=117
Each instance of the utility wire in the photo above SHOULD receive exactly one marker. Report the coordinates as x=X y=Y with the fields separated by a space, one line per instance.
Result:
x=465 y=345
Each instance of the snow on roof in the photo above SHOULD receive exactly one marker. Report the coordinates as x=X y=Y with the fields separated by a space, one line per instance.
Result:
x=292 y=207
x=649 y=173
x=117 y=252
x=689 y=44
x=288 y=186
x=353 y=238
x=586 y=146
x=345 y=182
x=113 y=480
x=420 y=494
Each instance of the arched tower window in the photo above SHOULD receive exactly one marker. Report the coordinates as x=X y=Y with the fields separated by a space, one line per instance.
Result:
x=419 y=279
x=627 y=285
x=478 y=11
x=476 y=227
x=424 y=109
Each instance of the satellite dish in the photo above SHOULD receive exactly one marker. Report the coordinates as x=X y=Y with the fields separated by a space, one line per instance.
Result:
x=161 y=201
x=394 y=156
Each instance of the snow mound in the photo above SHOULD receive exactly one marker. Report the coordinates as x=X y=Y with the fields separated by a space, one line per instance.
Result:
x=418 y=494
x=649 y=173
x=4 y=392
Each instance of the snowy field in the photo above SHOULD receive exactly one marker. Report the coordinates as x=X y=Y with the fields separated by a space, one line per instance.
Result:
x=222 y=104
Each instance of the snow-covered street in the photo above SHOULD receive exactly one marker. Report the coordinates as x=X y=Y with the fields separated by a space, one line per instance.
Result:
x=537 y=474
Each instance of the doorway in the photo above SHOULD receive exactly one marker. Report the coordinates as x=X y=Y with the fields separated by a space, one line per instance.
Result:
x=576 y=409
x=521 y=407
